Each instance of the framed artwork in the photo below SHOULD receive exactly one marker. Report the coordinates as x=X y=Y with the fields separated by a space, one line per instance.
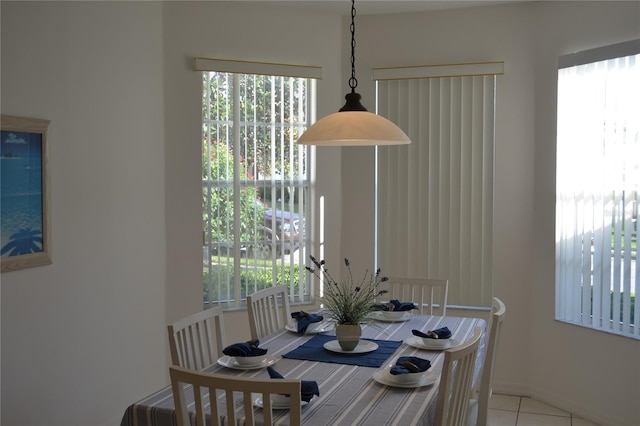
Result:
x=25 y=240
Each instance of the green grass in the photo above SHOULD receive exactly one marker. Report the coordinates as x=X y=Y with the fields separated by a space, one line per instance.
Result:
x=634 y=242
x=222 y=278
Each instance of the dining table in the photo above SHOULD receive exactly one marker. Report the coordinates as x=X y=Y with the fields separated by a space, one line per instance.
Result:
x=354 y=387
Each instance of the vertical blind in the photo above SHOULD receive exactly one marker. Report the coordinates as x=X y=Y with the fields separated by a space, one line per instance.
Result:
x=256 y=180
x=597 y=182
x=435 y=196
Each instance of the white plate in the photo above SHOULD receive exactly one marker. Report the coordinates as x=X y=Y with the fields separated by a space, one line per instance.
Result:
x=276 y=405
x=402 y=379
x=364 y=346
x=380 y=317
x=229 y=362
x=386 y=378
x=417 y=342
x=314 y=328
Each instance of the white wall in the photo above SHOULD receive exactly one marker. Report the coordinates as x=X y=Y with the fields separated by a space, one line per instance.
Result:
x=457 y=36
x=241 y=31
x=505 y=33
x=586 y=372
x=597 y=374
x=85 y=336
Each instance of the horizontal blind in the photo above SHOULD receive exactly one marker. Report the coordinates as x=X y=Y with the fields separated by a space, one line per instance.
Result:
x=597 y=180
x=436 y=194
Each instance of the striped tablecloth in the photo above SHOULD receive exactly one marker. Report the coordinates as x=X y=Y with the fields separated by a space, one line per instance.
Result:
x=348 y=394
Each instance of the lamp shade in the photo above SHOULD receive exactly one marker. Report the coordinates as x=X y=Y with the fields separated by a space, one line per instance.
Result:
x=353 y=128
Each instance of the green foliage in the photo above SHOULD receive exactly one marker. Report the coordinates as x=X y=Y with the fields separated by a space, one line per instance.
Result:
x=252 y=279
x=217 y=212
x=265 y=100
x=245 y=146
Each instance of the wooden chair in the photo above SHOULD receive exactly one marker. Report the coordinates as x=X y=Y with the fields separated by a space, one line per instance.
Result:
x=454 y=391
x=269 y=311
x=422 y=291
x=205 y=388
x=197 y=341
x=478 y=409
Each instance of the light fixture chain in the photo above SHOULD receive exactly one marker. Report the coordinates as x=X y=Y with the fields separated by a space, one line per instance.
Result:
x=352 y=125
x=353 y=82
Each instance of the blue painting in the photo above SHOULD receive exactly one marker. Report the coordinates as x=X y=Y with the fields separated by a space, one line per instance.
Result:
x=21 y=194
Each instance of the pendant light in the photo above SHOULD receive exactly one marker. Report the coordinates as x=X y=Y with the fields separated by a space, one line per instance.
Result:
x=353 y=125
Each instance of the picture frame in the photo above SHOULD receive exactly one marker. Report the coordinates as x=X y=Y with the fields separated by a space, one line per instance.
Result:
x=25 y=235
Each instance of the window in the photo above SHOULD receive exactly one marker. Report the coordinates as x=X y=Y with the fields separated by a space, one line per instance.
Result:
x=435 y=203
x=255 y=182
x=597 y=182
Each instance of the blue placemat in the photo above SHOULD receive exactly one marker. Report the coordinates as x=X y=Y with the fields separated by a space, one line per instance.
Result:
x=312 y=350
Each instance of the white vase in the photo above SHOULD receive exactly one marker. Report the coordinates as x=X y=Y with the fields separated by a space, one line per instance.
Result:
x=348 y=336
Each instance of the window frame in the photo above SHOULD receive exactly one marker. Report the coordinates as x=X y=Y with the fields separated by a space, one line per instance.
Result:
x=291 y=269
x=591 y=218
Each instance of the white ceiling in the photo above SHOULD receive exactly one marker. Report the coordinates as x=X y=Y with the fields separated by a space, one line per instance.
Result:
x=371 y=7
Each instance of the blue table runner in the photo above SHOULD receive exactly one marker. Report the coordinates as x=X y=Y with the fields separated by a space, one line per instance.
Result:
x=313 y=350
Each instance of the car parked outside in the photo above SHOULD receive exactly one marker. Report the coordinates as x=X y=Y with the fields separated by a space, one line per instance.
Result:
x=262 y=244
x=281 y=231
x=287 y=227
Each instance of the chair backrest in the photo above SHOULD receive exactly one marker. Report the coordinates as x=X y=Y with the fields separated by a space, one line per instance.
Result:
x=429 y=294
x=269 y=311
x=497 y=317
x=204 y=388
x=456 y=379
x=197 y=341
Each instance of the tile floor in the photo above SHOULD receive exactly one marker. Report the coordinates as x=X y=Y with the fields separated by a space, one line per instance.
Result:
x=508 y=410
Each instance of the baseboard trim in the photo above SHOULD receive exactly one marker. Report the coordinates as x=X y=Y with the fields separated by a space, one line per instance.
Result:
x=505 y=388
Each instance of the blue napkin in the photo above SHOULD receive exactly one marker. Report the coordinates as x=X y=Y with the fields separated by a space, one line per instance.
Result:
x=410 y=364
x=308 y=388
x=249 y=348
x=440 y=333
x=397 y=306
x=304 y=319
x=313 y=350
